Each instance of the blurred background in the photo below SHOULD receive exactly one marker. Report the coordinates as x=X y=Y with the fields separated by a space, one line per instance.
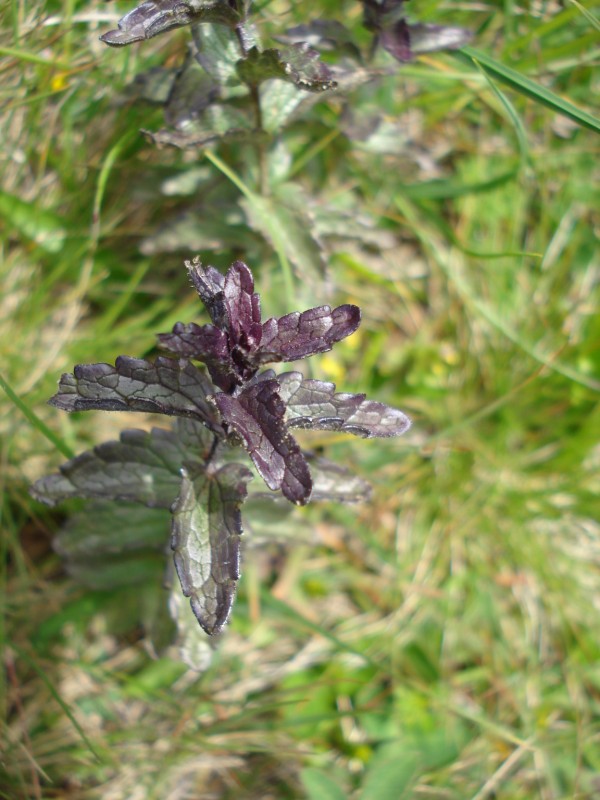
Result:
x=441 y=641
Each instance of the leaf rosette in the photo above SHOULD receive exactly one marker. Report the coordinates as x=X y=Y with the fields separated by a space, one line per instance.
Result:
x=190 y=469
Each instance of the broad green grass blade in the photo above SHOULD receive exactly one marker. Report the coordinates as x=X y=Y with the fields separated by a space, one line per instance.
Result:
x=520 y=83
x=591 y=18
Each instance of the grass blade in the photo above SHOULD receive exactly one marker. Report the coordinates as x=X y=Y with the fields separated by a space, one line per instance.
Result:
x=523 y=85
x=35 y=420
x=58 y=698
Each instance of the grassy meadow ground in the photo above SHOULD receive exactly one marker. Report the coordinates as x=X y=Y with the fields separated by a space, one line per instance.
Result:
x=441 y=642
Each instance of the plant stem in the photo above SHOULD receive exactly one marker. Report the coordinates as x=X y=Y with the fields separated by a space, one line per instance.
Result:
x=261 y=150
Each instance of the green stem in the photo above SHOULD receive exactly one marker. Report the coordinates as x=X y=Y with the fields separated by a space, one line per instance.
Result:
x=259 y=204
x=261 y=150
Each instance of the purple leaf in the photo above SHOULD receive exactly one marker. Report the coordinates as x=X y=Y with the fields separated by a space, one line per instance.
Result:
x=430 y=38
x=396 y=40
x=237 y=343
x=205 y=538
x=404 y=41
x=242 y=306
x=315 y=405
x=257 y=417
x=205 y=343
x=166 y=386
x=330 y=482
x=195 y=341
x=333 y=482
x=209 y=284
x=298 y=335
x=158 y=16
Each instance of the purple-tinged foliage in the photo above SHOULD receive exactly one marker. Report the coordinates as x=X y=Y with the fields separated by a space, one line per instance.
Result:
x=315 y=405
x=154 y=17
x=189 y=469
x=403 y=41
x=234 y=308
x=257 y=416
x=163 y=387
x=205 y=539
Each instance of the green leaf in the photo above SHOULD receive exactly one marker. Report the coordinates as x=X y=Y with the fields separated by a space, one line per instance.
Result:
x=43 y=227
x=192 y=91
x=218 y=51
x=279 y=100
x=206 y=541
x=198 y=231
x=286 y=223
x=141 y=467
x=218 y=123
x=390 y=773
x=193 y=644
x=298 y=64
x=529 y=88
x=106 y=528
x=319 y=786
x=123 y=570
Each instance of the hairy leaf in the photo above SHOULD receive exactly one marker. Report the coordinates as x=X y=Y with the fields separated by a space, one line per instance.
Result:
x=205 y=540
x=158 y=16
x=141 y=467
x=279 y=100
x=195 y=341
x=315 y=405
x=237 y=343
x=204 y=343
x=301 y=334
x=209 y=283
x=257 y=417
x=194 y=648
x=166 y=386
x=333 y=482
x=298 y=64
x=242 y=308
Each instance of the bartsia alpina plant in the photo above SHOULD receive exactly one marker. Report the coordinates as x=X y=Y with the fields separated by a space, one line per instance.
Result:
x=192 y=469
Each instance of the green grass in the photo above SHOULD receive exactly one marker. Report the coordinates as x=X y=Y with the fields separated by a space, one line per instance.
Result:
x=441 y=642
